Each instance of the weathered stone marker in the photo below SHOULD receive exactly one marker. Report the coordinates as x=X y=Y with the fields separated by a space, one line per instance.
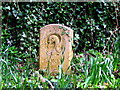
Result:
x=55 y=47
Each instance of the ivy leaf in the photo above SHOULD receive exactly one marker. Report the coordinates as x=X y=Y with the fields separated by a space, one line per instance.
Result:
x=8 y=7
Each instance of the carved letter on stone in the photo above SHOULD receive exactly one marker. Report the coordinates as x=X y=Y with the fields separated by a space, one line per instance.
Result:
x=55 y=47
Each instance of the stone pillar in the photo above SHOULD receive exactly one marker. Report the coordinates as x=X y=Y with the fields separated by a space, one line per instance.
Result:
x=55 y=48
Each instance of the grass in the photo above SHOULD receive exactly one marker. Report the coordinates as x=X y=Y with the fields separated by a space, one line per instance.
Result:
x=88 y=71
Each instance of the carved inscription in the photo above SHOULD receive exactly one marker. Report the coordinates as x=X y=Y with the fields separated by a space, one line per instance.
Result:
x=55 y=46
x=54 y=42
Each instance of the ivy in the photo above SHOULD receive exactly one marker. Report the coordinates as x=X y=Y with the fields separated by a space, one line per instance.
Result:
x=91 y=22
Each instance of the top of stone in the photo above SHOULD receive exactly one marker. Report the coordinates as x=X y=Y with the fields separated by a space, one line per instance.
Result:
x=56 y=25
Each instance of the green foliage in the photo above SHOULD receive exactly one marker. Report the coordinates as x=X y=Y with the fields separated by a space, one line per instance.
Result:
x=93 y=23
x=95 y=27
x=95 y=72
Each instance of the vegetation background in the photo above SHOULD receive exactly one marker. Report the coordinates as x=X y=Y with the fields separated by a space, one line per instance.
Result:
x=96 y=26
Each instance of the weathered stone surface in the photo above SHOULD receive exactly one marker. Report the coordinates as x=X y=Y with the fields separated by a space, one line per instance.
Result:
x=55 y=47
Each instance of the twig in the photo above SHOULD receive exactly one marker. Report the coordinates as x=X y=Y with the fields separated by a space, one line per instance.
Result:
x=117 y=26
